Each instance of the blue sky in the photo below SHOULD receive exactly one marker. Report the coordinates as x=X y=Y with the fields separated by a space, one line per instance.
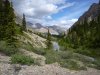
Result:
x=63 y=13
x=75 y=11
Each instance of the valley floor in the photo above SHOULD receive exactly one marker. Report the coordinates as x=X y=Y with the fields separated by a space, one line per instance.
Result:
x=53 y=69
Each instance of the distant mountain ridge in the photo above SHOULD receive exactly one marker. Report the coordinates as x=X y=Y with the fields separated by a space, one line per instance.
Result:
x=38 y=27
x=57 y=28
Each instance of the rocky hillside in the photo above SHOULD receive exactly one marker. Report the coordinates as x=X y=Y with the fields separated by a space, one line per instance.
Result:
x=33 y=39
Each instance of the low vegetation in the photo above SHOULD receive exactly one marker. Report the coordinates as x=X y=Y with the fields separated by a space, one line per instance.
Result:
x=65 y=59
x=7 y=49
x=22 y=59
x=68 y=59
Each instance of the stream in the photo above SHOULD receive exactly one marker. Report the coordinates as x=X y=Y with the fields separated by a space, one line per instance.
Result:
x=56 y=46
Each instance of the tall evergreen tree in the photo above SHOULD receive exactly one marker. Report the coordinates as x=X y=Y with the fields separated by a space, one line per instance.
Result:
x=97 y=40
x=1 y=18
x=7 y=23
x=49 y=40
x=24 y=23
x=10 y=31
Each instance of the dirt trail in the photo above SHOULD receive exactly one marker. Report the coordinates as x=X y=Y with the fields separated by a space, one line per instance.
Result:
x=4 y=58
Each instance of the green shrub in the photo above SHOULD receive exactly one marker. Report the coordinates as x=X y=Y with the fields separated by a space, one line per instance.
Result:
x=97 y=64
x=64 y=58
x=71 y=64
x=22 y=59
x=52 y=57
x=27 y=46
x=39 y=51
x=89 y=52
x=66 y=54
x=7 y=49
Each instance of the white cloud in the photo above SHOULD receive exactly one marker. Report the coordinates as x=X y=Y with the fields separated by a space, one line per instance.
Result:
x=66 y=5
x=49 y=17
x=36 y=7
x=56 y=1
x=41 y=10
x=63 y=22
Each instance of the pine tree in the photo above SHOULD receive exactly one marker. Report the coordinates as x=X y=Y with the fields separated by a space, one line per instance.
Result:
x=2 y=20
x=98 y=29
x=24 y=23
x=1 y=15
x=8 y=23
x=49 y=40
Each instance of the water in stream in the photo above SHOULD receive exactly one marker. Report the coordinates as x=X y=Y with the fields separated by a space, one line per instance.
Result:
x=55 y=46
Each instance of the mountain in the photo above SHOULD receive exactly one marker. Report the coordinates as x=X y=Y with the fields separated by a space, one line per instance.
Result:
x=44 y=30
x=86 y=31
x=54 y=30
x=34 y=26
x=57 y=28
x=92 y=13
x=29 y=23
x=38 y=27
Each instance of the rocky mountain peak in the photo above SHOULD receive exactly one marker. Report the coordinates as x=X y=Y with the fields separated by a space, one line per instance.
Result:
x=92 y=13
x=38 y=25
